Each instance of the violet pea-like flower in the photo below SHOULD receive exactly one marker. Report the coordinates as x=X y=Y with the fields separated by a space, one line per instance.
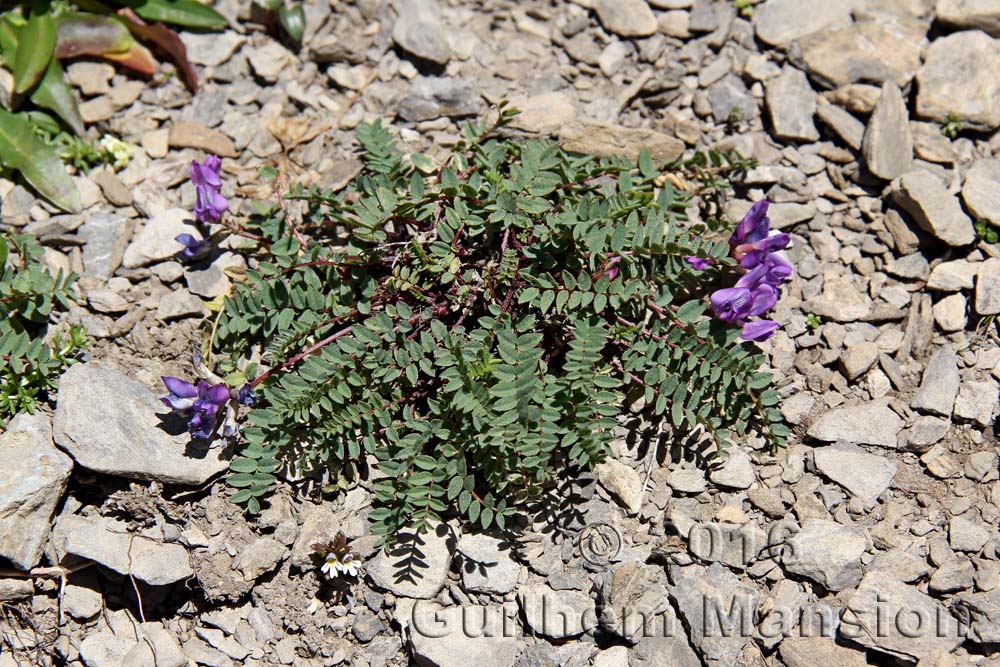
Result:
x=210 y=204
x=698 y=263
x=752 y=241
x=246 y=396
x=737 y=304
x=194 y=248
x=201 y=402
x=759 y=330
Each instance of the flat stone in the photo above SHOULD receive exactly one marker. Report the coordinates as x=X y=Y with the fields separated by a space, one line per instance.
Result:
x=967 y=533
x=718 y=609
x=417 y=564
x=487 y=566
x=988 y=287
x=212 y=280
x=970 y=14
x=633 y=594
x=959 y=77
x=911 y=267
x=34 y=477
x=949 y=313
x=112 y=187
x=432 y=97
x=112 y=424
x=900 y=565
x=879 y=596
x=977 y=401
x=845 y=125
x=953 y=276
x=420 y=30
x=941 y=463
x=840 y=300
x=781 y=22
x=729 y=98
x=464 y=635
x=197 y=135
x=260 y=557
x=16 y=588
x=544 y=113
x=865 y=476
x=106 y=236
x=269 y=60
x=626 y=18
x=107 y=301
x=91 y=78
x=606 y=140
x=157 y=240
x=736 y=471
x=798 y=651
x=888 y=144
x=939 y=385
x=556 y=614
x=179 y=304
x=983 y=611
x=871 y=423
x=108 y=542
x=933 y=208
x=856 y=360
x=791 y=103
x=687 y=480
x=981 y=191
x=211 y=49
x=953 y=576
x=862 y=52
x=826 y=552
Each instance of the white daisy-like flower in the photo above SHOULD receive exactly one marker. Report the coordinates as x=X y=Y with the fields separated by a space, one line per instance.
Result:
x=335 y=567
x=348 y=566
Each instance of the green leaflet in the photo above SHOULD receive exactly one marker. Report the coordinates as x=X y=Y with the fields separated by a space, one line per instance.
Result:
x=186 y=13
x=36 y=44
x=55 y=94
x=40 y=165
x=293 y=20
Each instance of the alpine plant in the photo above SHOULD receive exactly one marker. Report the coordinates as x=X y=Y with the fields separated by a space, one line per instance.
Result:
x=464 y=331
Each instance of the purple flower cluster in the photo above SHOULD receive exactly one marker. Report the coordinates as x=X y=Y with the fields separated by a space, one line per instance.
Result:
x=202 y=402
x=209 y=205
x=756 y=292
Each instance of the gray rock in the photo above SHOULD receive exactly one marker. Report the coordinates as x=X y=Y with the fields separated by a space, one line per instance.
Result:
x=865 y=476
x=259 y=558
x=912 y=267
x=733 y=545
x=718 y=610
x=959 y=77
x=937 y=211
x=797 y=651
x=939 y=385
x=840 y=300
x=104 y=649
x=81 y=599
x=847 y=127
x=781 y=22
x=431 y=97
x=941 y=463
x=486 y=565
x=269 y=60
x=34 y=477
x=157 y=240
x=687 y=480
x=988 y=287
x=879 y=596
x=703 y=17
x=871 y=423
x=736 y=472
x=623 y=482
x=666 y=649
x=556 y=614
x=857 y=359
x=729 y=98
x=981 y=191
x=420 y=30
x=544 y=113
x=212 y=281
x=108 y=542
x=105 y=237
x=967 y=533
x=468 y=635
x=107 y=301
x=16 y=589
x=862 y=52
x=179 y=304
x=827 y=553
x=974 y=14
x=634 y=601
x=983 y=611
x=949 y=313
x=979 y=465
x=888 y=144
x=901 y=565
x=366 y=626
x=606 y=140
x=953 y=576
x=953 y=276
x=791 y=103
x=626 y=18
x=112 y=424
x=417 y=564
x=976 y=401
x=211 y=49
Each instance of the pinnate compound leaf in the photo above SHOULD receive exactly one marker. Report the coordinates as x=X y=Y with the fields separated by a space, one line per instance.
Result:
x=40 y=165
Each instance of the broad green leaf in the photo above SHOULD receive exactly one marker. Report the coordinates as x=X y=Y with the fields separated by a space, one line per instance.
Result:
x=186 y=13
x=54 y=93
x=293 y=20
x=36 y=44
x=40 y=165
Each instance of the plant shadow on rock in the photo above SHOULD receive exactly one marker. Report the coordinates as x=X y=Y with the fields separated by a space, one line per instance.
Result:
x=408 y=557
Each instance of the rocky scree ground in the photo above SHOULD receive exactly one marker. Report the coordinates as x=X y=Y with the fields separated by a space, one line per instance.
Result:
x=888 y=361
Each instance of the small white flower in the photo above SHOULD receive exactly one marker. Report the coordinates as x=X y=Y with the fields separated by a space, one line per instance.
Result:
x=334 y=567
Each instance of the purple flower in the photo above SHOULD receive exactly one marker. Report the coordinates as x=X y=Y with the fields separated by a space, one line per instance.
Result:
x=194 y=248
x=246 y=396
x=776 y=269
x=698 y=263
x=612 y=264
x=759 y=330
x=202 y=401
x=736 y=304
x=752 y=242
x=210 y=203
